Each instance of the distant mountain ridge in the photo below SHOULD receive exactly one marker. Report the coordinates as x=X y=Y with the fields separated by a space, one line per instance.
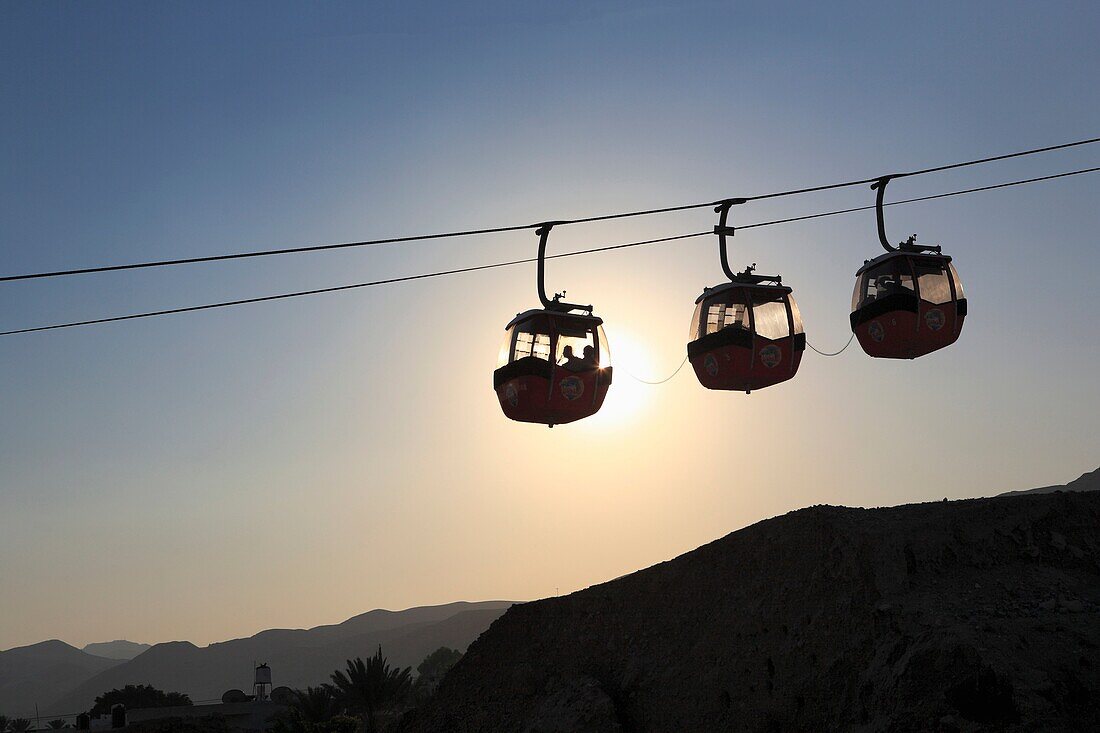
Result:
x=298 y=657
x=36 y=673
x=62 y=679
x=117 y=649
x=1085 y=482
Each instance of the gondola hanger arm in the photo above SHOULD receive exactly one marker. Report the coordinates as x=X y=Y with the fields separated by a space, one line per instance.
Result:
x=556 y=303
x=722 y=229
x=910 y=244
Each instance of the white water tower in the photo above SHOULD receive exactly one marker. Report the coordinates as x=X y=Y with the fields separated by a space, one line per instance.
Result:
x=262 y=686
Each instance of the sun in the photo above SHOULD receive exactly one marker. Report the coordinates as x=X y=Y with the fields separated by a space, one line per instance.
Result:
x=627 y=396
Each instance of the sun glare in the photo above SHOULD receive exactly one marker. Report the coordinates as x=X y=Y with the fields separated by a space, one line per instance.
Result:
x=627 y=395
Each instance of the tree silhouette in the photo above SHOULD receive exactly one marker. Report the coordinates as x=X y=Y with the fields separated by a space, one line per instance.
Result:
x=137 y=696
x=431 y=671
x=315 y=710
x=436 y=664
x=20 y=725
x=57 y=724
x=369 y=687
x=316 y=704
x=3 y=723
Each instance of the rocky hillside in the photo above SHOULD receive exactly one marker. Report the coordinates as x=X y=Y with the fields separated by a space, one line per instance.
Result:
x=967 y=615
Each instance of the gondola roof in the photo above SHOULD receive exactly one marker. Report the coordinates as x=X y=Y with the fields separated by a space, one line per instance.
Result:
x=708 y=292
x=559 y=314
x=910 y=255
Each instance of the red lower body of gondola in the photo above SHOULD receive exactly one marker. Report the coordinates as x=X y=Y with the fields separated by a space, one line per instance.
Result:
x=743 y=368
x=551 y=396
x=905 y=334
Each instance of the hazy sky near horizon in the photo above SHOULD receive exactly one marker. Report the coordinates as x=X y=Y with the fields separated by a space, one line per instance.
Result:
x=205 y=476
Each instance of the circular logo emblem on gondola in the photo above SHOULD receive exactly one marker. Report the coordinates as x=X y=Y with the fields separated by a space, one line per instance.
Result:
x=770 y=355
x=511 y=394
x=711 y=365
x=571 y=388
x=876 y=332
x=934 y=319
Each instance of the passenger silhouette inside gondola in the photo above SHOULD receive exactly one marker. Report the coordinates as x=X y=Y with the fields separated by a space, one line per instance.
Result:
x=581 y=363
x=892 y=286
x=572 y=362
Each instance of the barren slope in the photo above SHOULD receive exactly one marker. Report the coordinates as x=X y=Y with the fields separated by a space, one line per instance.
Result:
x=952 y=615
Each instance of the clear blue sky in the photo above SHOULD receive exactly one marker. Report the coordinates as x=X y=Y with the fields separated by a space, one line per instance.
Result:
x=295 y=463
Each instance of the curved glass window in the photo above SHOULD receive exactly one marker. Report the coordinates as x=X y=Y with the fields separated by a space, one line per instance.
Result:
x=694 y=332
x=860 y=291
x=575 y=347
x=888 y=278
x=796 y=317
x=532 y=338
x=958 y=282
x=932 y=280
x=769 y=312
x=726 y=310
x=605 y=349
x=505 y=354
x=574 y=343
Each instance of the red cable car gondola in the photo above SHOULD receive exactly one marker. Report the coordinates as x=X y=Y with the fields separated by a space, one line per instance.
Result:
x=554 y=365
x=908 y=302
x=746 y=334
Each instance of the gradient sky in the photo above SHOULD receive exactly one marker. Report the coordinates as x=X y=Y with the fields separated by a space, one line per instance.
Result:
x=205 y=476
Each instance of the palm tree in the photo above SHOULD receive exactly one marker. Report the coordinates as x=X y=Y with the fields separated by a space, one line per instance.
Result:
x=3 y=723
x=370 y=687
x=57 y=724
x=310 y=711
x=20 y=725
x=316 y=704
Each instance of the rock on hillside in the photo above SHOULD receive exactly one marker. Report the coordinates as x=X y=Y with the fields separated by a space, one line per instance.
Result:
x=966 y=615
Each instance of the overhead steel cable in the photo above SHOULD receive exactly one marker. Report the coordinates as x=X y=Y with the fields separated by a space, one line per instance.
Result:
x=264 y=253
x=509 y=263
x=899 y=202
x=923 y=171
x=354 y=286
x=521 y=227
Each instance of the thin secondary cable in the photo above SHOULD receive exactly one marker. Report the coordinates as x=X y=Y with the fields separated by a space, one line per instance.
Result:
x=670 y=376
x=920 y=198
x=922 y=171
x=510 y=263
x=835 y=353
x=338 y=288
x=520 y=227
x=660 y=381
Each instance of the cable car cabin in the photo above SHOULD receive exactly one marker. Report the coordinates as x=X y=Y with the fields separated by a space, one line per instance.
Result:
x=553 y=368
x=907 y=305
x=745 y=336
